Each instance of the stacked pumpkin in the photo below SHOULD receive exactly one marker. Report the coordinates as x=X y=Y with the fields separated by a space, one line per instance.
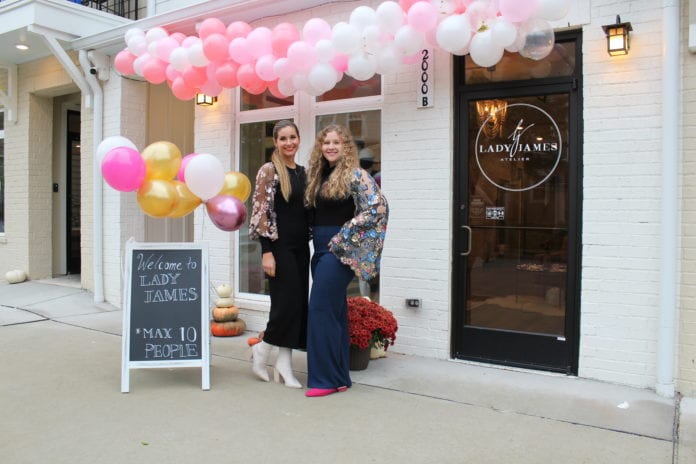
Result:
x=226 y=322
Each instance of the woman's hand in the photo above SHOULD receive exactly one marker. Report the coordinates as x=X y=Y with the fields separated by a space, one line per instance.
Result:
x=268 y=263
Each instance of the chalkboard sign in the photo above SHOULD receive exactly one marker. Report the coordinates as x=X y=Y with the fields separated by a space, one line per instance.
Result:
x=166 y=312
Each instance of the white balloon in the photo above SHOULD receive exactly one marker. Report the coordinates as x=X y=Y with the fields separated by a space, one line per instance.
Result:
x=483 y=50
x=408 y=40
x=389 y=17
x=371 y=39
x=285 y=86
x=300 y=82
x=444 y=7
x=179 y=59
x=324 y=50
x=345 y=38
x=362 y=16
x=112 y=142
x=361 y=66
x=539 y=39
x=388 y=60
x=282 y=68
x=322 y=77
x=204 y=176
x=139 y=63
x=152 y=48
x=517 y=44
x=453 y=33
x=154 y=34
x=504 y=32
x=553 y=10
x=195 y=54
x=134 y=31
x=137 y=45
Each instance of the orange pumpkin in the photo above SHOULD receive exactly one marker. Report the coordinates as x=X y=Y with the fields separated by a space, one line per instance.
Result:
x=227 y=329
x=225 y=314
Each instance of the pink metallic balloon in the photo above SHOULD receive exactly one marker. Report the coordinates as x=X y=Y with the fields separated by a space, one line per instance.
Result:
x=228 y=213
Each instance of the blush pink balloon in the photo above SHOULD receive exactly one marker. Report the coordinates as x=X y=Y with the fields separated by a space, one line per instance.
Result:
x=406 y=4
x=516 y=11
x=239 y=51
x=178 y=36
x=172 y=73
x=124 y=62
x=164 y=48
x=422 y=16
x=227 y=212
x=182 y=170
x=215 y=48
x=259 y=42
x=302 y=56
x=123 y=169
x=315 y=30
x=264 y=68
x=154 y=71
x=211 y=26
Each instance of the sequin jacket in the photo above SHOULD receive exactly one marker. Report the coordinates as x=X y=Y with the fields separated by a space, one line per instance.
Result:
x=263 y=221
x=360 y=241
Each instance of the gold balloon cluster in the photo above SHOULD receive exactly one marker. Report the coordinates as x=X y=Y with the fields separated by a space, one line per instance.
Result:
x=162 y=195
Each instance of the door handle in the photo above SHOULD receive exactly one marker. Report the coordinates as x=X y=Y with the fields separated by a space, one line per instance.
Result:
x=469 y=245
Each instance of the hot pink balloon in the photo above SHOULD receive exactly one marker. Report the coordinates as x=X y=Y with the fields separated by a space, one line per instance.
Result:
x=123 y=169
x=215 y=48
x=182 y=170
x=226 y=75
x=516 y=11
x=211 y=26
x=226 y=212
x=124 y=62
x=238 y=29
x=282 y=36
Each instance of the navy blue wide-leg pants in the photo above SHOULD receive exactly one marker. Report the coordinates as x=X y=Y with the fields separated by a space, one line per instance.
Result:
x=328 y=343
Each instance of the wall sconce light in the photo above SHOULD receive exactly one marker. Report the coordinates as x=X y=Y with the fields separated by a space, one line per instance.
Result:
x=618 y=39
x=205 y=100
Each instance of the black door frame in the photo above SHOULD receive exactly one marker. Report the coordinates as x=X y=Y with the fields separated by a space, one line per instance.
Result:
x=498 y=347
x=72 y=266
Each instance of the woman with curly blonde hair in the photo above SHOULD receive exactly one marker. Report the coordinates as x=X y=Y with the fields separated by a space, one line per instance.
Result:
x=349 y=224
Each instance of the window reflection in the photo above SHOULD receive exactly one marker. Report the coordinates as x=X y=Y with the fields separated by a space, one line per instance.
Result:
x=264 y=100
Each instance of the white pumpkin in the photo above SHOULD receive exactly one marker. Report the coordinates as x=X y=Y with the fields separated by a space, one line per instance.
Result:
x=16 y=276
x=224 y=302
x=224 y=291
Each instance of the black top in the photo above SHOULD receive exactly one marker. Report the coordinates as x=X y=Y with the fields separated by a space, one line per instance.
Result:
x=291 y=216
x=330 y=212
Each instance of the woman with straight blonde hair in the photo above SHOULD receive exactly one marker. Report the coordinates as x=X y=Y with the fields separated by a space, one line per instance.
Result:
x=281 y=223
x=349 y=224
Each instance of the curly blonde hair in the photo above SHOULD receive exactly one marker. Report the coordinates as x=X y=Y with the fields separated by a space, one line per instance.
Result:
x=338 y=184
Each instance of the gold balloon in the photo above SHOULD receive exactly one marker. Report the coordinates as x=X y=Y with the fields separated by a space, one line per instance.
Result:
x=237 y=185
x=157 y=197
x=187 y=200
x=162 y=160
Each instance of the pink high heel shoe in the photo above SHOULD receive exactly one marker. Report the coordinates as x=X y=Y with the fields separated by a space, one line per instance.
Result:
x=313 y=392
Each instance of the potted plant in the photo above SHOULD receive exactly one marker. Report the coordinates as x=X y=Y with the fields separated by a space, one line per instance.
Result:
x=369 y=326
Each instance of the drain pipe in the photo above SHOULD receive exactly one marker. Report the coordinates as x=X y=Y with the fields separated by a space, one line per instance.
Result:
x=669 y=221
x=92 y=64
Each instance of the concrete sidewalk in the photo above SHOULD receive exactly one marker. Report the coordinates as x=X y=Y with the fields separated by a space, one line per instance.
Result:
x=60 y=402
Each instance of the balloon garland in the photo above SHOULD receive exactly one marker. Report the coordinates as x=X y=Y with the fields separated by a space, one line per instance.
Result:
x=285 y=59
x=170 y=185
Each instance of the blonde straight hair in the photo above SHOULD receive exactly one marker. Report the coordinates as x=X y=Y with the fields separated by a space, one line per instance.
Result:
x=338 y=184
x=283 y=178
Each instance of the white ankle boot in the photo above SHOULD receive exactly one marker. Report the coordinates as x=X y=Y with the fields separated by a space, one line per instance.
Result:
x=283 y=367
x=259 y=358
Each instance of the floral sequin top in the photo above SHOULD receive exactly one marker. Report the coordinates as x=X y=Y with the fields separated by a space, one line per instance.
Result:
x=360 y=241
x=263 y=221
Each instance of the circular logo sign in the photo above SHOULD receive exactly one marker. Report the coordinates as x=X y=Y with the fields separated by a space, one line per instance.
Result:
x=518 y=147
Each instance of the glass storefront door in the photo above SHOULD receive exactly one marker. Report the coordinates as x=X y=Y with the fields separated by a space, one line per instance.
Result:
x=516 y=240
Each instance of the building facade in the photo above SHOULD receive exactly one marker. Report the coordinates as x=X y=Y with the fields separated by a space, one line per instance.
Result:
x=571 y=252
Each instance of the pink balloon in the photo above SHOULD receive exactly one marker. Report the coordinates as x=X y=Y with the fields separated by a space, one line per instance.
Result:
x=189 y=40
x=154 y=71
x=124 y=62
x=264 y=68
x=181 y=90
x=275 y=91
x=238 y=29
x=184 y=161
x=516 y=11
x=164 y=48
x=249 y=81
x=239 y=51
x=422 y=16
x=302 y=56
x=226 y=75
x=215 y=48
x=259 y=42
x=282 y=36
x=194 y=76
x=171 y=73
x=340 y=62
x=178 y=36
x=227 y=212
x=211 y=26
x=406 y=4
x=123 y=169
x=211 y=87
x=315 y=30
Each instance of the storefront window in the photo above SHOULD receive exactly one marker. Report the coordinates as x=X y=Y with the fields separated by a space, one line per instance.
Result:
x=2 y=172
x=351 y=88
x=263 y=101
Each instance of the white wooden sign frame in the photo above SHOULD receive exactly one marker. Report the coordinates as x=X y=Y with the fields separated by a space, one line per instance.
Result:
x=204 y=362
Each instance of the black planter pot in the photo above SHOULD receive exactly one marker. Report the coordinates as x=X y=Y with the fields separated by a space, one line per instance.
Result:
x=359 y=359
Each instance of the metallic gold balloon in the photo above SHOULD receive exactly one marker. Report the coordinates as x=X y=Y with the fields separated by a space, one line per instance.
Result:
x=237 y=185
x=162 y=160
x=157 y=197
x=187 y=200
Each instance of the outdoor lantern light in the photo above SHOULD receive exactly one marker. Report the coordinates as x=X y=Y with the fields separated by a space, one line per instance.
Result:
x=618 y=39
x=205 y=100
